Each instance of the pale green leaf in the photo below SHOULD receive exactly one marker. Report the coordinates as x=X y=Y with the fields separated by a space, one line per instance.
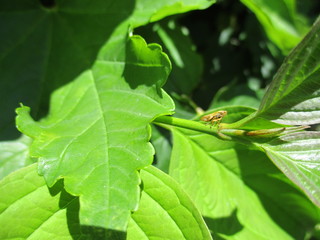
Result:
x=14 y=155
x=96 y=135
x=297 y=156
x=29 y=210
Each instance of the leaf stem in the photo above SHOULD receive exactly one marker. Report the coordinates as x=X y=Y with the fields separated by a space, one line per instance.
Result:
x=183 y=123
x=217 y=130
x=223 y=130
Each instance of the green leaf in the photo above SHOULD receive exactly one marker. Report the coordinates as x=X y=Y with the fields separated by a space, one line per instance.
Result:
x=55 y=213
x=48 y=41
x=151 y=11
x=294 y=95
x=96 y=135
x=14 y=155
x=238 y=190
x=171 y=217
x=297 y=156
x=29 y=210
x=280 y=21
x=55 y=44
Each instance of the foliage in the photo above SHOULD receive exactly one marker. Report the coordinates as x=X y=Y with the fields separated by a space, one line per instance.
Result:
x=83 y=167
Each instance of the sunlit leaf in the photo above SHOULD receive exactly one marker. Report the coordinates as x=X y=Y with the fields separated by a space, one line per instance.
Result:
x=28 y=210
x=297 y=155
x=14 y=155
x=173 y=216
x=294 y=95
x=96 y=135
x=46 y=44
x=53 y=214
x=237 y=188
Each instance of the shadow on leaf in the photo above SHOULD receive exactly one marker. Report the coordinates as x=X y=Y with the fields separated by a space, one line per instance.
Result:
x=78 y=231
x=145 y=64
x=274 y=189
x=49 y=49
x=225 y=226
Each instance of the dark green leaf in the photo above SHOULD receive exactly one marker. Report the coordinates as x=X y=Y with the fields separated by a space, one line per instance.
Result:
x=280 y=21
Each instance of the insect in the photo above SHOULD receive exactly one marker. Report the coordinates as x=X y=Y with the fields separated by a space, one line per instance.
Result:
x=215 y=117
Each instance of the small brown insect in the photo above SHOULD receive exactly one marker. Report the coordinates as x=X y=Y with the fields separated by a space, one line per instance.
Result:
x=215 y=117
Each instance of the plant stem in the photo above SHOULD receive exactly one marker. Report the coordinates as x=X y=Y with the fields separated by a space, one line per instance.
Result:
x=183 y=123
x=223 y=130
x=217 y=130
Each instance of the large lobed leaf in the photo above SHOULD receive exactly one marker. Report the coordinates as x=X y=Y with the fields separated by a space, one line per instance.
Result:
x=52 y=45
x=96 y=135
x=55 y=213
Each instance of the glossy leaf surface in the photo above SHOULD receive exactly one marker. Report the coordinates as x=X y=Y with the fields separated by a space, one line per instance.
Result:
x=297 y=155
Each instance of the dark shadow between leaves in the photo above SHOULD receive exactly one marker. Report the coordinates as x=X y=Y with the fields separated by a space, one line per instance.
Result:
x=101 y=233
x=227 y=226
x=78 y=231
x=58 y=44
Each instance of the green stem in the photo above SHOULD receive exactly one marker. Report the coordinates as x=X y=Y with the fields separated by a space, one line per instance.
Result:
x=224 y=130
x=183 y=123
x=198 y=126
